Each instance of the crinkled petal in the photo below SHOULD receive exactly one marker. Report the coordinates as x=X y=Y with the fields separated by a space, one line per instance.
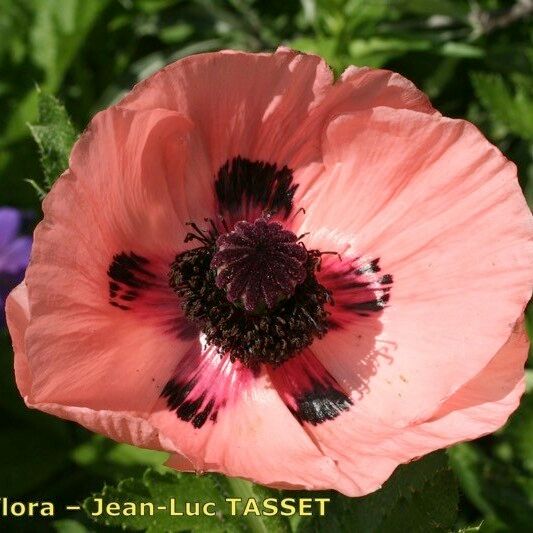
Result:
x=362 y=88
x=87 y=350
x=268 y=107
x=358 y=89
x=483 y=404
x=127 y=183
x=264 y=109
x=106 y=328
x=243 y=104
x=122 y=426
x=367 y=448
x=442 y=211
x=247 y=432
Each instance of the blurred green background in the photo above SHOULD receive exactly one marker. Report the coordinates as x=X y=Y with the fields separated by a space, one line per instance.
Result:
x=473 y=58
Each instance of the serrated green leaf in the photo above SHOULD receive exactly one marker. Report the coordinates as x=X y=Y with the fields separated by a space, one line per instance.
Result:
x=54 y=135
x=164 y=494
x=420 y=497
x=432 y=508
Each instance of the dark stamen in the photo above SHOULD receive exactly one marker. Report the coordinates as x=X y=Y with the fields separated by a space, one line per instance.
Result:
x=206 y=237
x=253 y=291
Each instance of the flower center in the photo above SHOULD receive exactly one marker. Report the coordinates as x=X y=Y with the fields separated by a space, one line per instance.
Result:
x=259 y=264
x=252 y=291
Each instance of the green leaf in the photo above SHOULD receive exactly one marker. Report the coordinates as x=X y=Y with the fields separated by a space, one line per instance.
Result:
x=55 y=135
x=248 y=491
x=113 y=461
x=519 y=433
x=60 y=29
x=69 y=526
x=466 y=461
x=457 y=49
x=376 y=51
x=499 y=489
x=156 y=489
x=98 y=449
x=451 y=8
x=324 y=47
x=51 y=33
x=420 y=497
x=15 y=126
x=513 y=109
x=529 y=308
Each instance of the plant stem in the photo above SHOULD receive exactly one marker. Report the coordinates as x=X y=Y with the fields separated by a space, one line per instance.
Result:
x=244 y=489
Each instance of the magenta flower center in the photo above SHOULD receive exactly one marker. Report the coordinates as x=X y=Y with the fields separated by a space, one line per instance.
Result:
x=259 y=264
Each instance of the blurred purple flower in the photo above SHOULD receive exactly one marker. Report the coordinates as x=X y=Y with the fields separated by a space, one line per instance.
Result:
x=14 y=254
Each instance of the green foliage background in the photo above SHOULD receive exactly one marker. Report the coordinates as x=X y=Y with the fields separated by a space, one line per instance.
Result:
x=473 y=58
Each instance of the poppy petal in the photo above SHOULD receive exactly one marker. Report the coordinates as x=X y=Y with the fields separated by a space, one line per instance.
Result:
x=125 y=186
x=261 y=100
x=253 y=435
x=312 y=395
x=270 y=111
x=122 y=426
x=377 y=445
x=100 y=301
x=446 y=218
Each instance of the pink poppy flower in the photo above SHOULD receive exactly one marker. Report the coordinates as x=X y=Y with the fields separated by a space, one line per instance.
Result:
x=278 y=277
